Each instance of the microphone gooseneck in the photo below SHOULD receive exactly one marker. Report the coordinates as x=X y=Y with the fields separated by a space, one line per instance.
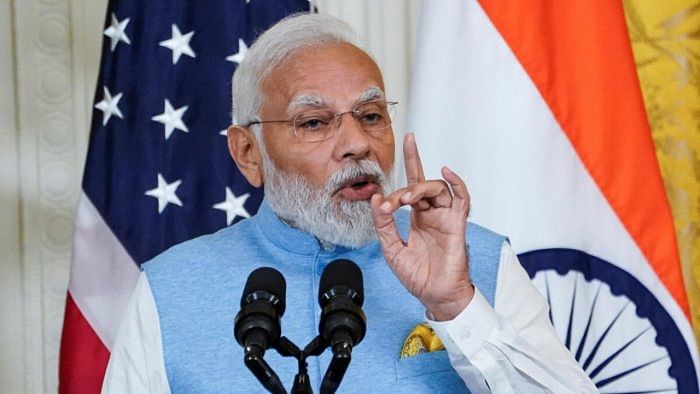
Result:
x=343 y=323
x=257 y=324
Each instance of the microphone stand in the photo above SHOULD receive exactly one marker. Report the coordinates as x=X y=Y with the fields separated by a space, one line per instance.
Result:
x=253 y=359
x=302 y=384
x=342 y=354
x=339 y=363
x=287 y=348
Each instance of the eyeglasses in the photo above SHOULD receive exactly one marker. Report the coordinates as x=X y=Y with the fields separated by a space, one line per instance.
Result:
x=319 y=125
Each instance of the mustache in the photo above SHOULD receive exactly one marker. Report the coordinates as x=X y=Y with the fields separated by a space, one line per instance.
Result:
x=365 y=168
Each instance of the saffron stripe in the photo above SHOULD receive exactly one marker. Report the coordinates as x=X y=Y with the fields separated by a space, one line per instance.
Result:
x=584 y=70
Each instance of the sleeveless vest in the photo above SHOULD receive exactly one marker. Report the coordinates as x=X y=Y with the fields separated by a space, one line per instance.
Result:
x=197 y=287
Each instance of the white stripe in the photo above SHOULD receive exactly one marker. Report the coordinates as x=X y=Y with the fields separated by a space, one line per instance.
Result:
x=103 y=275
x=475 y=109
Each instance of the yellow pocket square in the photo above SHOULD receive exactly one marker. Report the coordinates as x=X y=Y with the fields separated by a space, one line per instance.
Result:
x=422 y=339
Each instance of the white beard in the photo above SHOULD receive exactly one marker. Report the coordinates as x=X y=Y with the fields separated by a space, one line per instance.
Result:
x=311 y=209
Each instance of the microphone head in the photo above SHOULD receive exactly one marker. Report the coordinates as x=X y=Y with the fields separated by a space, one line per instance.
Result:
x=344 y=273
x=269 y=280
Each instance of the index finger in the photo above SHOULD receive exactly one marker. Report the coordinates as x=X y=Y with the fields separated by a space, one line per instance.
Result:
x=411 y=159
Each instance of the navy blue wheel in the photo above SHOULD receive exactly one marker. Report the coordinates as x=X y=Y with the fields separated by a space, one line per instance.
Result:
x=612 y=324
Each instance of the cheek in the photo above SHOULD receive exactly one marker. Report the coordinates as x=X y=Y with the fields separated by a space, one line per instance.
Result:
x=385 y=152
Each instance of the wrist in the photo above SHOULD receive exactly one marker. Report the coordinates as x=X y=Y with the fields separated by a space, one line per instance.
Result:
x=448 y=309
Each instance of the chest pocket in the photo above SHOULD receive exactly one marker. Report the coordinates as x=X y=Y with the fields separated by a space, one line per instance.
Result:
x=427 y=373
x=422 y=364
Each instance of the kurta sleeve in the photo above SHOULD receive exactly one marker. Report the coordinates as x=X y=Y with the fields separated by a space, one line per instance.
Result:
x=136 y=364
x=511 y=348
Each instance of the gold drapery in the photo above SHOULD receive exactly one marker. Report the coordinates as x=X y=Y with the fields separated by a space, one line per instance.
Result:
x=666 y=43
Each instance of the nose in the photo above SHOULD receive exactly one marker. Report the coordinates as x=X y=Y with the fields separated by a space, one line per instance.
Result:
x=351 y=140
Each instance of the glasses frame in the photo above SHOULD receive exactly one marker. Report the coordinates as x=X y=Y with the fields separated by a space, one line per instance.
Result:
x=390 y=106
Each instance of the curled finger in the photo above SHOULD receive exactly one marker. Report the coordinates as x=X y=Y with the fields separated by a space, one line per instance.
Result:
x=459 y=188
x=428 y=194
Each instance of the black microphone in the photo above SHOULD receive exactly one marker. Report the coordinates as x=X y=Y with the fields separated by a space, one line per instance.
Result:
x=257 y=325
x=343 y=324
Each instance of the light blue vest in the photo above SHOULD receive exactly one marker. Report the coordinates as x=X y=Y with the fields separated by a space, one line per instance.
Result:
x=197 y=287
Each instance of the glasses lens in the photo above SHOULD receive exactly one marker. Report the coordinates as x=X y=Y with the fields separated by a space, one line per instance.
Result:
x=319 y=125
x=374 y=115
x=313 y=125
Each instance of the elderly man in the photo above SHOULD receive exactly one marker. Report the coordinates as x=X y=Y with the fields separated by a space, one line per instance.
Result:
x=314 y=129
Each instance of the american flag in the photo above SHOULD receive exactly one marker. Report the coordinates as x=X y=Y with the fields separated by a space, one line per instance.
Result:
x=158 y=170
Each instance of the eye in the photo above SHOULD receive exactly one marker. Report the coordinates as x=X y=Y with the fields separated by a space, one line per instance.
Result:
x=311 y=123
x=371 y=117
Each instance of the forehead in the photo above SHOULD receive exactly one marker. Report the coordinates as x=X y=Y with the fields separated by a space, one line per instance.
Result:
x=338 y=74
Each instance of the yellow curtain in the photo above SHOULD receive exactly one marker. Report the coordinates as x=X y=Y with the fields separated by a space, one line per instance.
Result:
x=666 y=42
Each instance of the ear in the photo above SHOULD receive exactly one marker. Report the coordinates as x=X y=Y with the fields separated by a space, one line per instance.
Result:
x=244 y=149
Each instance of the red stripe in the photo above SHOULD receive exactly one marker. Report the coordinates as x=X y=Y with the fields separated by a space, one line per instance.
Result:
x=578 y=55
x=84 y=357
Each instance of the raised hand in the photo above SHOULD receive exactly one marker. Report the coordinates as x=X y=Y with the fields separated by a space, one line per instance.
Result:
x=432 y=264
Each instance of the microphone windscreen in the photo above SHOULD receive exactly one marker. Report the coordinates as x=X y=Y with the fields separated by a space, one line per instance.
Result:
x=344 y=273
x=269 y=280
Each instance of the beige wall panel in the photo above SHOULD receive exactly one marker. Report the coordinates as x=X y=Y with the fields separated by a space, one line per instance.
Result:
x=11 y=329
x=48 y=65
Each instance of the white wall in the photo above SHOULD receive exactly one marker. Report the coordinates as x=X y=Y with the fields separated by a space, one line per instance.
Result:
x=49 y=57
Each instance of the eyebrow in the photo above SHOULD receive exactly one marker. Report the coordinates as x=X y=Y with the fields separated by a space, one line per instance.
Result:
x=307 y=100
x=372 y=93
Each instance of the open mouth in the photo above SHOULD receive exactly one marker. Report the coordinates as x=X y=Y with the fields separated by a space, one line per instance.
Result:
x=359 y=188
x=358 y=182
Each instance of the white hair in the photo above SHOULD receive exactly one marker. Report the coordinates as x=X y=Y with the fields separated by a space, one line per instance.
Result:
x=272 y=48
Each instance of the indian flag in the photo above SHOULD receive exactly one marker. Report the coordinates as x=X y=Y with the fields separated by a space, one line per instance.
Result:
x=538 y=106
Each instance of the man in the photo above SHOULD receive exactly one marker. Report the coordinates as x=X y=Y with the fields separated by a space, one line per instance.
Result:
x=314 y=129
